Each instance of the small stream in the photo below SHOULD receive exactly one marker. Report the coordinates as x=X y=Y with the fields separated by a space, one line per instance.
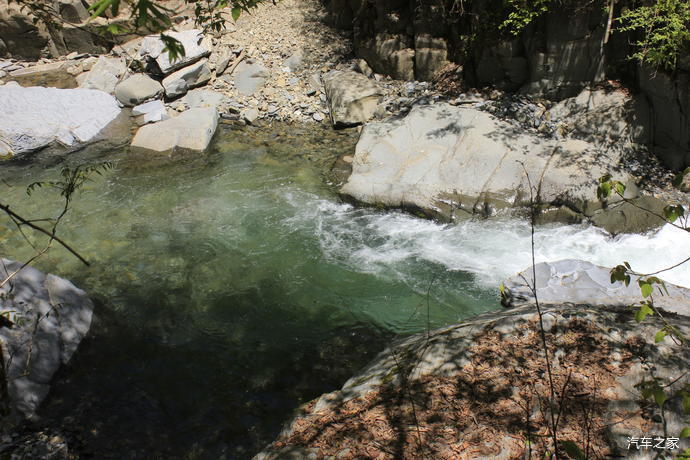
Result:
x=233 y=286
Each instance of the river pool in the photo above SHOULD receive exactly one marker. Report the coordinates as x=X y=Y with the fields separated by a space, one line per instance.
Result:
x=232 y=286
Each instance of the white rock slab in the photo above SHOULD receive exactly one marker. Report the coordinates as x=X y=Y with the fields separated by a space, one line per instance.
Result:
x=35 y=117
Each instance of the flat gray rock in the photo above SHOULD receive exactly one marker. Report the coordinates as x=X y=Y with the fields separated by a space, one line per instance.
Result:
x=203 y=98
x=193 y=41
x=249 y=77
x=294 y=62
x=352 y=97
x=33 y=118
x=137 y=89
x=191 y=131
x=63 y=315
x=580 y=282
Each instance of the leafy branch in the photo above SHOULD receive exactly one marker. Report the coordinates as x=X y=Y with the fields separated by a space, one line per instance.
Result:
x=647 y=282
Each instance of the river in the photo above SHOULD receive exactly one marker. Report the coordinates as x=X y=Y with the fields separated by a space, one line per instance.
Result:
x=231 y=287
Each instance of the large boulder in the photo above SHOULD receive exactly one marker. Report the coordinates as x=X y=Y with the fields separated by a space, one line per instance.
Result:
x=477 y=390
x=195 y=48
x=430 y=56
x=191 y=131
x=34 y=118
x=73 y=11
x=580 y=282
x=104 y=75
x=137 y=89
x=566 y=54
x=51 y=316
x=178 y=83
x=449 y=162
x=352 y=97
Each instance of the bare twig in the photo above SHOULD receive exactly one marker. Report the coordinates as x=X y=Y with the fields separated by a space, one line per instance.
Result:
x=49 y=233
x=542 y=333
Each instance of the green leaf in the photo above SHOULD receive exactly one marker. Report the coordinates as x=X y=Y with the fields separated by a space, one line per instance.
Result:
x=659 y=396
x=643 y=312
x=604 y=190
x=620 y=188
x=678 y=180
x=659 y=337
x=685 y=433
x=645 y=288
x=686 y=403
x=672 y=213
x=236 y=13
x=573 y=450
x=99 y=7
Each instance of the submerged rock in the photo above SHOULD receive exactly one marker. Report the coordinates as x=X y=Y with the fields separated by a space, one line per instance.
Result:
x=34 y=118
x=580 y=282
x=189 y=132
x=54 y=75
x=51 y=316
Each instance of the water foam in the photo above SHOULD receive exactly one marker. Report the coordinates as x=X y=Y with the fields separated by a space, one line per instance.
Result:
x=391 y=244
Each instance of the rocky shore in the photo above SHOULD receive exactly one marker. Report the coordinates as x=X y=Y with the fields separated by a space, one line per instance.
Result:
x=475 y=389
x=437 y=148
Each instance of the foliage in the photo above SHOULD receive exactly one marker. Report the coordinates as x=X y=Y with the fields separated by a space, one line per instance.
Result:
x=146 y=16
x=522 y=13
x=655 y=388
x=664 y=27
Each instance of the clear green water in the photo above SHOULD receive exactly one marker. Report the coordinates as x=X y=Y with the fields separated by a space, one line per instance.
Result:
x=230 y=288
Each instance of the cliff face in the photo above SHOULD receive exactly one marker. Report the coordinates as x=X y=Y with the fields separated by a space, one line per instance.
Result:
x=556 y=57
